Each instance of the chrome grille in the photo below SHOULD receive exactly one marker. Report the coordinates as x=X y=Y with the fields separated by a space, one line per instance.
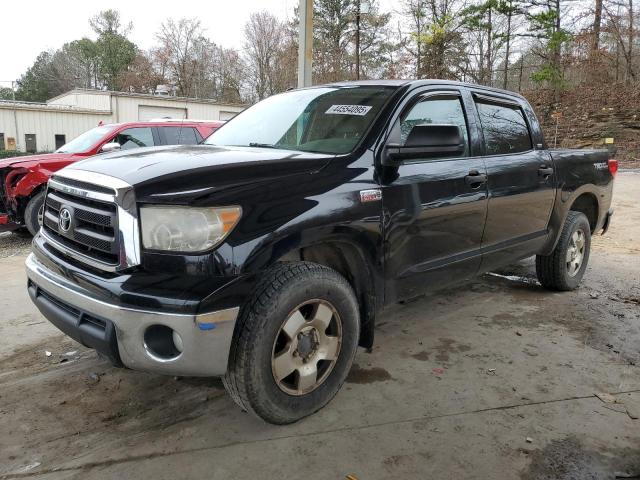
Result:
x=95 y=223
x=92 y=229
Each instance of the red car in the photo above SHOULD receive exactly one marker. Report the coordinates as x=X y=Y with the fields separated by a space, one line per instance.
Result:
x=23 y=179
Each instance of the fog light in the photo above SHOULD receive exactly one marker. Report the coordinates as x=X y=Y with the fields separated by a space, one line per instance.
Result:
x=177 y=341
x=162 y=342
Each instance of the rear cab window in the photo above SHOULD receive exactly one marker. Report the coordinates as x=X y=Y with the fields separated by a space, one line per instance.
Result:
x=504 y=127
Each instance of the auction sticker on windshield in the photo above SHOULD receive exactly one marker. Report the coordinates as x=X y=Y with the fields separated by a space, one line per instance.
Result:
x=360 y=110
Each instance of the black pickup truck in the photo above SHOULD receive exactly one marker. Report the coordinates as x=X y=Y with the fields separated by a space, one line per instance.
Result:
x=266 y=255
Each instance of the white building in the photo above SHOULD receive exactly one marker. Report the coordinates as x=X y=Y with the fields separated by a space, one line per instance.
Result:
x=44 y=127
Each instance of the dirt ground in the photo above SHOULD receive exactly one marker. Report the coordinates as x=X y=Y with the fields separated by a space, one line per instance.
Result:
x=493 y=380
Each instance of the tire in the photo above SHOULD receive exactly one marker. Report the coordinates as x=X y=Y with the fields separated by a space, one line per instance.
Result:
x=32 y=213
x=556 y=271
x=260 y=342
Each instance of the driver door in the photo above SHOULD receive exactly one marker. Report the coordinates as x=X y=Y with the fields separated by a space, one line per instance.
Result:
x=434 y=208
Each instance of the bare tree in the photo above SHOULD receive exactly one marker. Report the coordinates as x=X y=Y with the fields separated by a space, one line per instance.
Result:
x=264 y=46
x=178 y=49
x=623 y=30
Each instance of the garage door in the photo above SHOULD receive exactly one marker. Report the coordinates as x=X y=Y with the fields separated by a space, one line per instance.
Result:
x=148 y=112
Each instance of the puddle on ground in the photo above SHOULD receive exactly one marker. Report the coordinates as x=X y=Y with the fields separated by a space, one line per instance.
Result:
x=568 y=459
x=448 y=346
x=423 y=356
x=367 y=375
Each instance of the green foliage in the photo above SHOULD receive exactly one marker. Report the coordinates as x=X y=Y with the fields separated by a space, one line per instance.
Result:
x=334 y=41
x=115 y=54
x=547 y=73
x=113 y=51
x=13 y=153
x=34 y=85
x=80 y=63
x=544 y=26
x=6 y=94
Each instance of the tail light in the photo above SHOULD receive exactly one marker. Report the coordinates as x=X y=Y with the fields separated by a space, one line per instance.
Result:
x=613 y=167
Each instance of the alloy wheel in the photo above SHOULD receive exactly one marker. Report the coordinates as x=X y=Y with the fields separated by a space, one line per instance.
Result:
x=306 y=347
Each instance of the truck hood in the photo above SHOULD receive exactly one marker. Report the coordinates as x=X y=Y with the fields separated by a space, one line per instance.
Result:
x=30 y=160
x=177 y=174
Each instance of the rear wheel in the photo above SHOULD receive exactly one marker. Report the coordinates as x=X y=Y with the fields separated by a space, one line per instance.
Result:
x=33 y=213
x=564 y=268
x=294 y=342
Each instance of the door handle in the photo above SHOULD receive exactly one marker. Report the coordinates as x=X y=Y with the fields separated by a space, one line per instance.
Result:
x=545 y=171
x=475 y=179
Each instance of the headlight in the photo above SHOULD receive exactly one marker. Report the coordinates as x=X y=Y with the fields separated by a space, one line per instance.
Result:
x=186 y=229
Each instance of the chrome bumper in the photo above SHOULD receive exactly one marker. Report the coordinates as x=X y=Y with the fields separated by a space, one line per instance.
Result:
x=206 y=338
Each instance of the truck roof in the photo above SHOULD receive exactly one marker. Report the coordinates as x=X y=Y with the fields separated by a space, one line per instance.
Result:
x=165 y=121
x=422 y=82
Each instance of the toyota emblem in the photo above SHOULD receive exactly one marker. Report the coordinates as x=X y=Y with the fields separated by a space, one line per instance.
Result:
x=64 y=220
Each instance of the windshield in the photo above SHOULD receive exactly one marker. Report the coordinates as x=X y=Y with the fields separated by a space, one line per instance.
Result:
x=325 y=120
x=85 y=141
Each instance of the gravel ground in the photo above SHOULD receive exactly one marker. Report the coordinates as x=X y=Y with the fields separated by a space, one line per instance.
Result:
x=14 y=243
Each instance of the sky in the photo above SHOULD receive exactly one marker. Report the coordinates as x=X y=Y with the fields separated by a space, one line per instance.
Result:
x=31 y=26
x=50 y=24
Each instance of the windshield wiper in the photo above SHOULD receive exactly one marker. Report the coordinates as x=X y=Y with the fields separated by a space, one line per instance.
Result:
x=262 y=145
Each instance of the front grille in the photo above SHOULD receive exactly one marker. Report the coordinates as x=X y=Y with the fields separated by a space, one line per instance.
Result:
x=91 y=227
x=83 y=185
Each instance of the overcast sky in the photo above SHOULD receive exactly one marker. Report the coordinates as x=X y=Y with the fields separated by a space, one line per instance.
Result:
x=31 y=26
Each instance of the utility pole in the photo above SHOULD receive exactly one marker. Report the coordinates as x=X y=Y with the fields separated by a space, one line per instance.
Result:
x=358 y=40
x=362 y=7
x=305 y=43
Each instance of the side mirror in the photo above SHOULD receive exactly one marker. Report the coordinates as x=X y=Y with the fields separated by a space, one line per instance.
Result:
x=110 y=147
x=426 y=141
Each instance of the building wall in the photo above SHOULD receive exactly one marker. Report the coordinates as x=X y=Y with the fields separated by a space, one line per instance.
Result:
x=85 y=100
x=45 y=125
x=77 y=111
x=127 y=109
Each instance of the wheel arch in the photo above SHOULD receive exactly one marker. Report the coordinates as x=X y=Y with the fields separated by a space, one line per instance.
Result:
x=588 y=204
x=23 y=201
x=583 y=199
x=348 y=261
x=352 y=252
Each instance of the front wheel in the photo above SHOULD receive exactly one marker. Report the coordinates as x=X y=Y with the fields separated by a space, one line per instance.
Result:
x=294 y=342
x=564 y=268
x=33 y=213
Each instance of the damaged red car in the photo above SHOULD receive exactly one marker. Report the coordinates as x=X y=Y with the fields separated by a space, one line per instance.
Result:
x=23 y=179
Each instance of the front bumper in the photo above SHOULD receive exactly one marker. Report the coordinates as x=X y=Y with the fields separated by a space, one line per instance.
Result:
x=119 y=332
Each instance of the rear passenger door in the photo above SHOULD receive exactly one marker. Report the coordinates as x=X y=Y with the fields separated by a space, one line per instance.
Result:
x=520 y=181
x=178 y=135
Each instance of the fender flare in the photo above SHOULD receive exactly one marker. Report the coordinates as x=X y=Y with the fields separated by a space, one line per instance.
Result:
x=562 y=205
x=364 y=273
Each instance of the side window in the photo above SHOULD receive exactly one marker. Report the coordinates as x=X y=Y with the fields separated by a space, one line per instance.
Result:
x=135 y=138
x=180 y=135
x=504 y=128
x=438 y=110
